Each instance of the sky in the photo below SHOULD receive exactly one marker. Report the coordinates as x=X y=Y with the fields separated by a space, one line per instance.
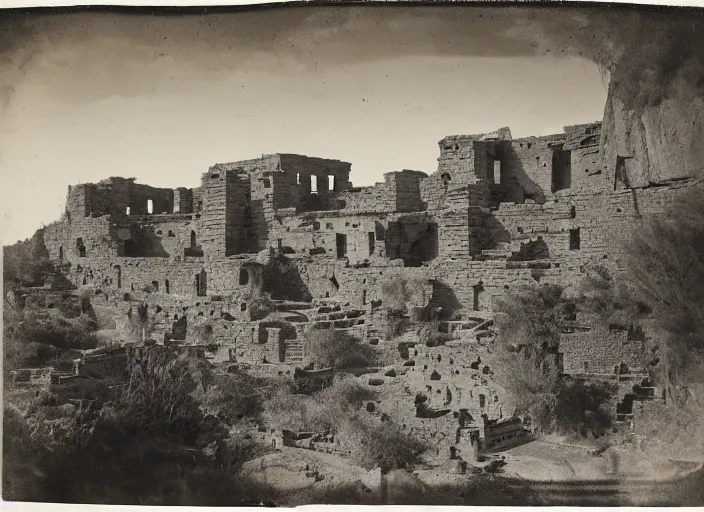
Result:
x=89 y=95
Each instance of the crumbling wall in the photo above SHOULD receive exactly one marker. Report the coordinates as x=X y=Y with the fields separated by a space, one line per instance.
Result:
x=183 y=200
x=400 y=192
x=162 y=199
x=138 y=274
x=526 y=168
x=294 y=185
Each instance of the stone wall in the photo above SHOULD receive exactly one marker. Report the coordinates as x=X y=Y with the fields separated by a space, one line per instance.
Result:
x=602 y=351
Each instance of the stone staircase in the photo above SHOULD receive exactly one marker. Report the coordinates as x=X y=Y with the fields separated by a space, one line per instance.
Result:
x=504 y=250
x=294 y=351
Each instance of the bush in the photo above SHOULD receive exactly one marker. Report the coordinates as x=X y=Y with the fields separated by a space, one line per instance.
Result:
x=584 y=408
x=140 y=323
x=383 y=445
x=429 y=335
x=337 y=349
x=526 y=364
x=326 y=411
x=396 y=326
x=260 y=307
x=398 y=293
x=297 y=413
x=159 y=398
x=20 y=354
x=45 y=327
x=665 y=268
x=234 y=396
x=202 y=334
x=25 y=263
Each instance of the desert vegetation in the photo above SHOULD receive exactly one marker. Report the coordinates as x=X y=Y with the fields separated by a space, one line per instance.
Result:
x=149 y=443
x=337 y=349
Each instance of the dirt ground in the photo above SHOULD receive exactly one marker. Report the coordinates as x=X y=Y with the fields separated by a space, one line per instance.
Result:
x=543 y=461
x=302 y=475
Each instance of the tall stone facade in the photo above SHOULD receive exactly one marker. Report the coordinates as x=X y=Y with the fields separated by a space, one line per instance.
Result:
x=290 y=235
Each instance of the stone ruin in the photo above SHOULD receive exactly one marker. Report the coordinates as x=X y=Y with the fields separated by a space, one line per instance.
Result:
x=267 y=248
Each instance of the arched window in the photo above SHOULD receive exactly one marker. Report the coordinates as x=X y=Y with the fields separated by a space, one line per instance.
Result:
x=118 y=276
x=193 y=239
x=167 y=288
x=61 y=253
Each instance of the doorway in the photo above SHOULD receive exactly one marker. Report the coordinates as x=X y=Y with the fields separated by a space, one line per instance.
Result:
x=341 y=244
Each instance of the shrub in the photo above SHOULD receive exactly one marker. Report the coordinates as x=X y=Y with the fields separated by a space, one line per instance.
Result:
x=46 y=327
x=396 y=326
x=159 y=398
x=326 y=411
x=584 y=408
x=665 y=268
x=399 y=292
x=140 y=323
x=429 y=335
x=25 y=263
x=383 y=445
x=260 y=307
x=526 y=364
x=234 y=396
x=337 y=349
x=297 y=413
x=202 y=333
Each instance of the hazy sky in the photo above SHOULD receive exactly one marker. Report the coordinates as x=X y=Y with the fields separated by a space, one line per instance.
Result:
x=92 y=95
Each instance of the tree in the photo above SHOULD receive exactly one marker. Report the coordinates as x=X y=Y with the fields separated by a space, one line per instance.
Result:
x=526 y=364
x=664 y=260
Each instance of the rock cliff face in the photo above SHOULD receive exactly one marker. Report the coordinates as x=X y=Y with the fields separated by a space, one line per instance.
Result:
x=657 y=143
x=654 y=118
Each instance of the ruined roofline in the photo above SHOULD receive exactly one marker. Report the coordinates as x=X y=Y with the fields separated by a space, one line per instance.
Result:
x=115 y=180
x=503 y=133
x=581 y=125
x=233 y=164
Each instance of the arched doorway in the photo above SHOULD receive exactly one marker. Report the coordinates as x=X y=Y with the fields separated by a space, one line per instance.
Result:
x=244 y=276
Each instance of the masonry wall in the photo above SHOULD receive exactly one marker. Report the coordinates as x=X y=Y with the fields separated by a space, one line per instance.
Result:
x=183 y=200
x=296 y=182
x=225 y=199
x=601 y=351
x=97 y=235
x=376 y=198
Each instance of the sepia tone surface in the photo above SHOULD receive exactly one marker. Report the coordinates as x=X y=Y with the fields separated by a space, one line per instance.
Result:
x=518 y=323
